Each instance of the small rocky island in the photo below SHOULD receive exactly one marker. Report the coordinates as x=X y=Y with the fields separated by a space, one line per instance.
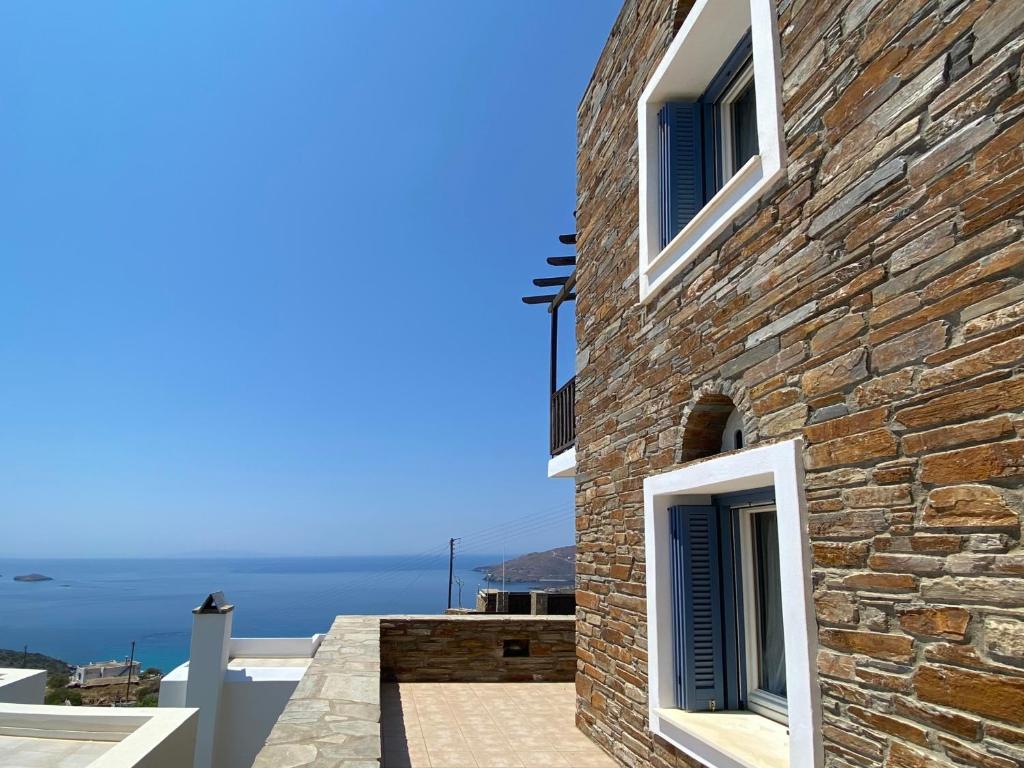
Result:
x=557 y=564
x=33 y=577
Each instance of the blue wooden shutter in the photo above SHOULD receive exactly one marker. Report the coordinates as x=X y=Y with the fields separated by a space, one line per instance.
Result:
x=680 y=166
x=732 y=609
x=698 y=621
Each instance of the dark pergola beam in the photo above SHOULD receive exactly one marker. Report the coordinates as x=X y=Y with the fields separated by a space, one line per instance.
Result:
x=562 y=261
x=567 y=239
x=547 y=282
x=546 y=299
x=566 y=294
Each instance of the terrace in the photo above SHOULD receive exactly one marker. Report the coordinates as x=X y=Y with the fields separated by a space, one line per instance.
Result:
x=44 y=736
x=486 y=725
x=29 y=751
x=472 y=691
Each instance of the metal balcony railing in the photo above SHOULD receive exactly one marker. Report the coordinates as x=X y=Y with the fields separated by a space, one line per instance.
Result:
x=563 y=417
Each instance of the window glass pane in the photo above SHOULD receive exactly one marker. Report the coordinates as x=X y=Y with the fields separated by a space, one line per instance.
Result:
x=744 y=126
x=772 y=650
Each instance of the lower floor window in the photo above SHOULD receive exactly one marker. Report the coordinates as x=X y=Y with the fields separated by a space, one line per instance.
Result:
x=727 y=605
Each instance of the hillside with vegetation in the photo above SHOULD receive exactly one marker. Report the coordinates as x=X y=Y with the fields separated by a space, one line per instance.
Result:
x=557 y=564
x=21 y=660
x=144 y=691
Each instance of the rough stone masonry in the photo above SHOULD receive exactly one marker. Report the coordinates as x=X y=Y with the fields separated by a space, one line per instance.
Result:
x=871 y=304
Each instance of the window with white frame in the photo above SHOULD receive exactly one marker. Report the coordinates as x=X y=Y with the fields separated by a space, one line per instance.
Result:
x=710 y=132
x=731 y=663
x=727 y=605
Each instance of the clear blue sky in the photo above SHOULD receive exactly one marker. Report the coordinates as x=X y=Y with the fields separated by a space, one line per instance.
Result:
x=261 y=271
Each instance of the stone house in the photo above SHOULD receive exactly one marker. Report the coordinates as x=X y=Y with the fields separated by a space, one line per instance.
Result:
x=799 y=440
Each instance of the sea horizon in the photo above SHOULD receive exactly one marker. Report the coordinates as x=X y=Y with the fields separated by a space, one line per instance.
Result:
x=94 y=607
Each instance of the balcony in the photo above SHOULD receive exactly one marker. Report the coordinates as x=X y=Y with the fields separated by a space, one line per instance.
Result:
x=562 y=437
x=563 y=418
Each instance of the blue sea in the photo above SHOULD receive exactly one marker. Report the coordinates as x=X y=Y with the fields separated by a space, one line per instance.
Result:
x=94 y=609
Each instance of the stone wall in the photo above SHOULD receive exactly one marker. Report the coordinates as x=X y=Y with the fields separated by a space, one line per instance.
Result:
x=333 y=717
x=872 y=305
x=472 y=648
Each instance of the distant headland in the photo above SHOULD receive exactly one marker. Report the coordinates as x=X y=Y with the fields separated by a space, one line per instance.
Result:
x=33 y=577
x=557 y=564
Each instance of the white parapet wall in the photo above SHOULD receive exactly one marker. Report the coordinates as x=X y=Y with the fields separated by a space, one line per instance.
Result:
x=274 y=647
x=22 y=686
x=138 y=738
x=259 y=677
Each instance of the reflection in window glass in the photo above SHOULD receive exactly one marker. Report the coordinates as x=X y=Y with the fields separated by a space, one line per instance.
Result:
x=772 y=650
x=744 y=126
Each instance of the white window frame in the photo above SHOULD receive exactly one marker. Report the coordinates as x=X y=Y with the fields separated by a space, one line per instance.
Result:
x=736 y=739
x=741 y=81
x=709 y=33
x=758 y=700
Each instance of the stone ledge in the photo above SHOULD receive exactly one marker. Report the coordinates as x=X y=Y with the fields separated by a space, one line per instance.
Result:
x=333 y=718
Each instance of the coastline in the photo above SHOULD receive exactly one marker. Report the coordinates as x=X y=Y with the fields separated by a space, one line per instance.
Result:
x=94 y=609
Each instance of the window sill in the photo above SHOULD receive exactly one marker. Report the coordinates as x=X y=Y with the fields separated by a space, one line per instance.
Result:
x=745 y=186
x=726 y=739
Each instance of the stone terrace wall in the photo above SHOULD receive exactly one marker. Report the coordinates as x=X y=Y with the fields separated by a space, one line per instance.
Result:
x=333 y=717
x=873 y=305
x=470 y=648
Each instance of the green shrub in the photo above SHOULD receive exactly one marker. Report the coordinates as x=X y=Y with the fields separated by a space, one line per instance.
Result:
x=61 y=695
x=57 y=680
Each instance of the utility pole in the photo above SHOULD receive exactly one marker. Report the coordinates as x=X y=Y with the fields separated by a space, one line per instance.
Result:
x=131 y=663
x=24 y=657
x=451 y=568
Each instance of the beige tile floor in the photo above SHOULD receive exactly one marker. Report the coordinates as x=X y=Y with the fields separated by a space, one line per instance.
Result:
x=26 y=752
x=484 y=725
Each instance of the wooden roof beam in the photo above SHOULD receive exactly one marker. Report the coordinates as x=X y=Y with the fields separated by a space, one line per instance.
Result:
x=546 y=282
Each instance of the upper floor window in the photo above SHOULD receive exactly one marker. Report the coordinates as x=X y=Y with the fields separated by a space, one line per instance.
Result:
x=703 y=142
x=733 y=112
x=710 y=132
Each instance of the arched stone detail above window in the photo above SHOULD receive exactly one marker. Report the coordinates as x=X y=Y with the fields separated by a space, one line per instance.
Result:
x=717 y=411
